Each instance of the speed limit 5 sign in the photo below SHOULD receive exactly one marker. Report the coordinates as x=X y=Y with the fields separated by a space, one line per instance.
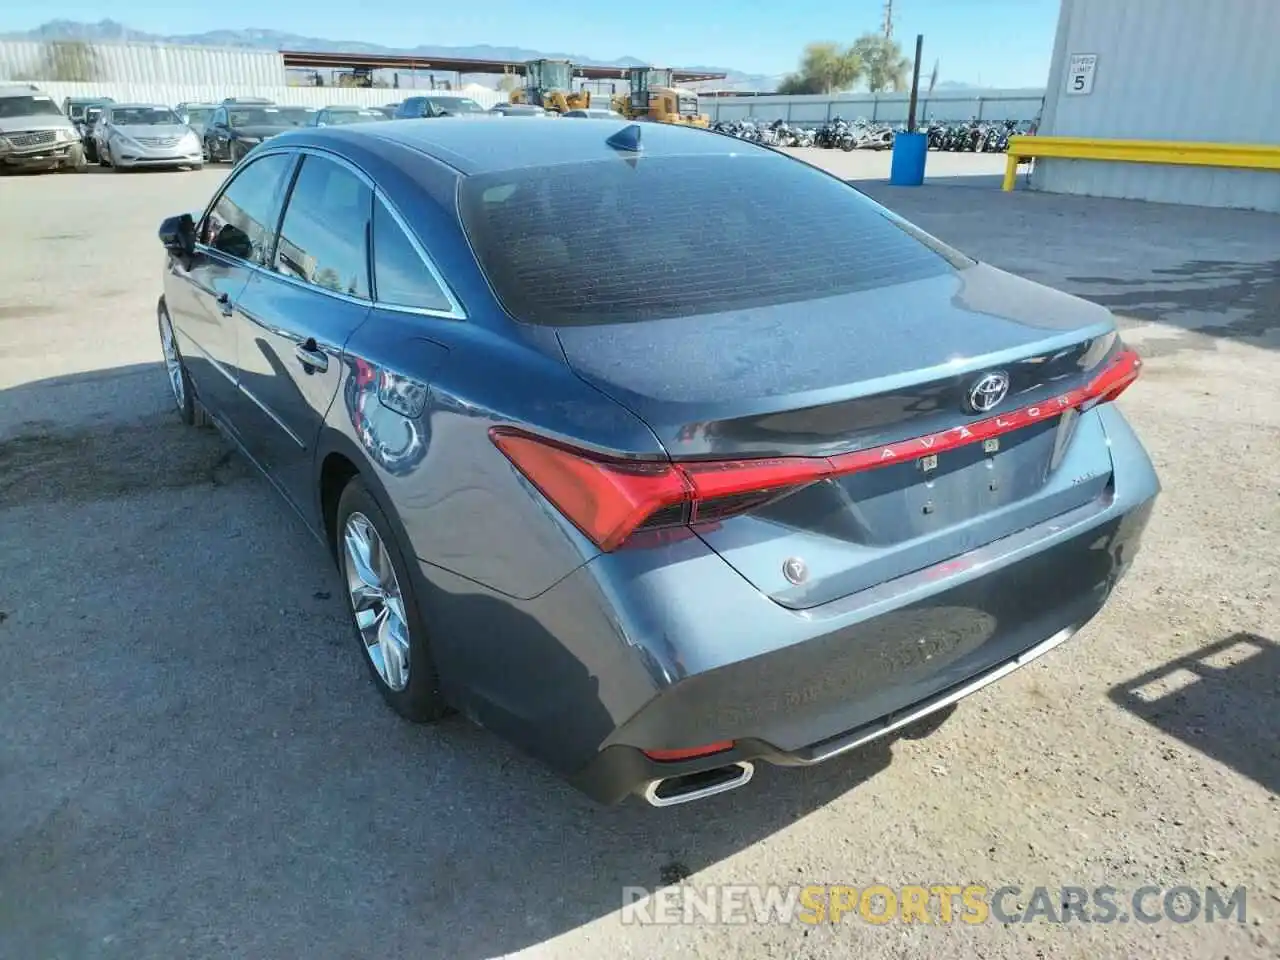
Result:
x=1080 y=70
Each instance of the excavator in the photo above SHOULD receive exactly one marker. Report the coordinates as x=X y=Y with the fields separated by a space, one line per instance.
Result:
x=549 y=84
x=655 y=97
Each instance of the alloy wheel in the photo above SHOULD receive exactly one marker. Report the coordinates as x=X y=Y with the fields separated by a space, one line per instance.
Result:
x=173 y=362
x=376 y=601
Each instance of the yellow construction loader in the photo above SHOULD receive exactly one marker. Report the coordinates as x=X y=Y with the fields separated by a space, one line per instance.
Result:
x=655 y=97
x=549 y=84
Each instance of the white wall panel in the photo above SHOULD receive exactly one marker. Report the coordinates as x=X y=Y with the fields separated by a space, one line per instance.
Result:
x=140 y=63
x=1167 y=70
x=303 y=96
x=1021 y=105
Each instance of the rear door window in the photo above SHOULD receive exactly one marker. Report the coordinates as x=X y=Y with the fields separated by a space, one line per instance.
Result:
x=324 y=234
x=627 y=239
x=401 y=277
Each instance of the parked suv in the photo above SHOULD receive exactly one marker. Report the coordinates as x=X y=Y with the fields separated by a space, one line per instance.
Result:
x=34 y=132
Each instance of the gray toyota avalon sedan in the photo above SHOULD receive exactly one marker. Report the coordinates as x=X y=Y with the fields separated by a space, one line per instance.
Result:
x=658 y=453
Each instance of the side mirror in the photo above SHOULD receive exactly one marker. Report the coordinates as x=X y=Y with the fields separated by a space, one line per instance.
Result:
x=178 y=234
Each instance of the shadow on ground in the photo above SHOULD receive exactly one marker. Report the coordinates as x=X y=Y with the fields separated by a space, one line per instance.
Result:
x=1250 y=290
x=195 y=762
x=1224 y=700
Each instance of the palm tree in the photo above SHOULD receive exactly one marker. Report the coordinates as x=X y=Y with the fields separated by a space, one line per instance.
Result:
x=824 y=68
x=886 y=68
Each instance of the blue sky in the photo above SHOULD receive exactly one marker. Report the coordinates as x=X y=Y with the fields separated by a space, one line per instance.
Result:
x=1004 y=43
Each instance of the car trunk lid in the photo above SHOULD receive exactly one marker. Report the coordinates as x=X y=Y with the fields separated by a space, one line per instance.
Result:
x=880 y=385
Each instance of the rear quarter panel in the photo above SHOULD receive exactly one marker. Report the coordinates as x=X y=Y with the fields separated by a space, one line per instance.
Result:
x=463 y=505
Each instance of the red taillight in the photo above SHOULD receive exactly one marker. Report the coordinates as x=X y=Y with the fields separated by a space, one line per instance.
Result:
x=610 y=499
x=606 y=499
x=689 y=753
x=1116 y=377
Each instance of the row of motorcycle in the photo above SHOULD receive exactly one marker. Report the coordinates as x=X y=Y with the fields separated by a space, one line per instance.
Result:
x=974 y=136
x=971 y=136
x=836 y=133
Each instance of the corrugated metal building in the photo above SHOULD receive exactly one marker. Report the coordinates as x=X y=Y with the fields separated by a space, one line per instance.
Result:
x=1203 y=70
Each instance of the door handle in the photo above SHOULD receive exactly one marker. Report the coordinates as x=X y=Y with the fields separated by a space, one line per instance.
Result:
x=311 y=356
x=224 y=304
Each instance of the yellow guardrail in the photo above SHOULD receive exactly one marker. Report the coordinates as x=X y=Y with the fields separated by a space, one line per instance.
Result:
x=1243 y=156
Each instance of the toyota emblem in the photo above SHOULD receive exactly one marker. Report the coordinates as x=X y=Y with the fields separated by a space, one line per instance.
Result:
x=989 y=391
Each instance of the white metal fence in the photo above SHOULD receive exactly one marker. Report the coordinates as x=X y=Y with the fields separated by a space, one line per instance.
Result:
x=213 y=92
x=139 y=63
x=952 y=106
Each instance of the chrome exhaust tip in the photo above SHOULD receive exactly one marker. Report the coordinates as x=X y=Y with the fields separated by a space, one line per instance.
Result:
x=688 y=787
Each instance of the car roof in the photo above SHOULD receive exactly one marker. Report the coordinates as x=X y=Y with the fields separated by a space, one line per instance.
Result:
x=348 y=107
x=22 y=90
x=137 y=106
x=485 y=144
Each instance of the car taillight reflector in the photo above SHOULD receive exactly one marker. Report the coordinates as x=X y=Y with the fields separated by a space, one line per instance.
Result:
x=689 y=753
x=610 y=499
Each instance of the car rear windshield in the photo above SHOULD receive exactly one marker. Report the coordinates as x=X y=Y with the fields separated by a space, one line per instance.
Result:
x=269 y=116
x=12 y=107
x=630 y=238
x=457 y=105
x=353 y=116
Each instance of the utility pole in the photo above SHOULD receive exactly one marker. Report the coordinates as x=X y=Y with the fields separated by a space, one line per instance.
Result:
x=888 y=19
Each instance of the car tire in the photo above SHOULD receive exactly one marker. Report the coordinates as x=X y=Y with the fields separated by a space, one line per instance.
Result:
x=184 y=394
x=76 y=162
x=401 y=666
x=196 y=167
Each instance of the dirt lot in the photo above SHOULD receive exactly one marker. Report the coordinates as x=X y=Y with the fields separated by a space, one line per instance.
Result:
x=193 y=762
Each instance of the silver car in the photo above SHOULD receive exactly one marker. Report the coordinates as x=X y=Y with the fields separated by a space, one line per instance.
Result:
x=34 y=133
x=594 y=114
x=130 y=135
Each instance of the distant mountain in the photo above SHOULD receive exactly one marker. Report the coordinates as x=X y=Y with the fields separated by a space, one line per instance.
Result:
x=111 y=31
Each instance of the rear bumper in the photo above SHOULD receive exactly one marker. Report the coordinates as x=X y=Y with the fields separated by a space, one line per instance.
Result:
x=667 y=648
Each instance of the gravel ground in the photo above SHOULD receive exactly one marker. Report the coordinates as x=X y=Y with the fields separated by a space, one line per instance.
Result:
x=193 y=763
